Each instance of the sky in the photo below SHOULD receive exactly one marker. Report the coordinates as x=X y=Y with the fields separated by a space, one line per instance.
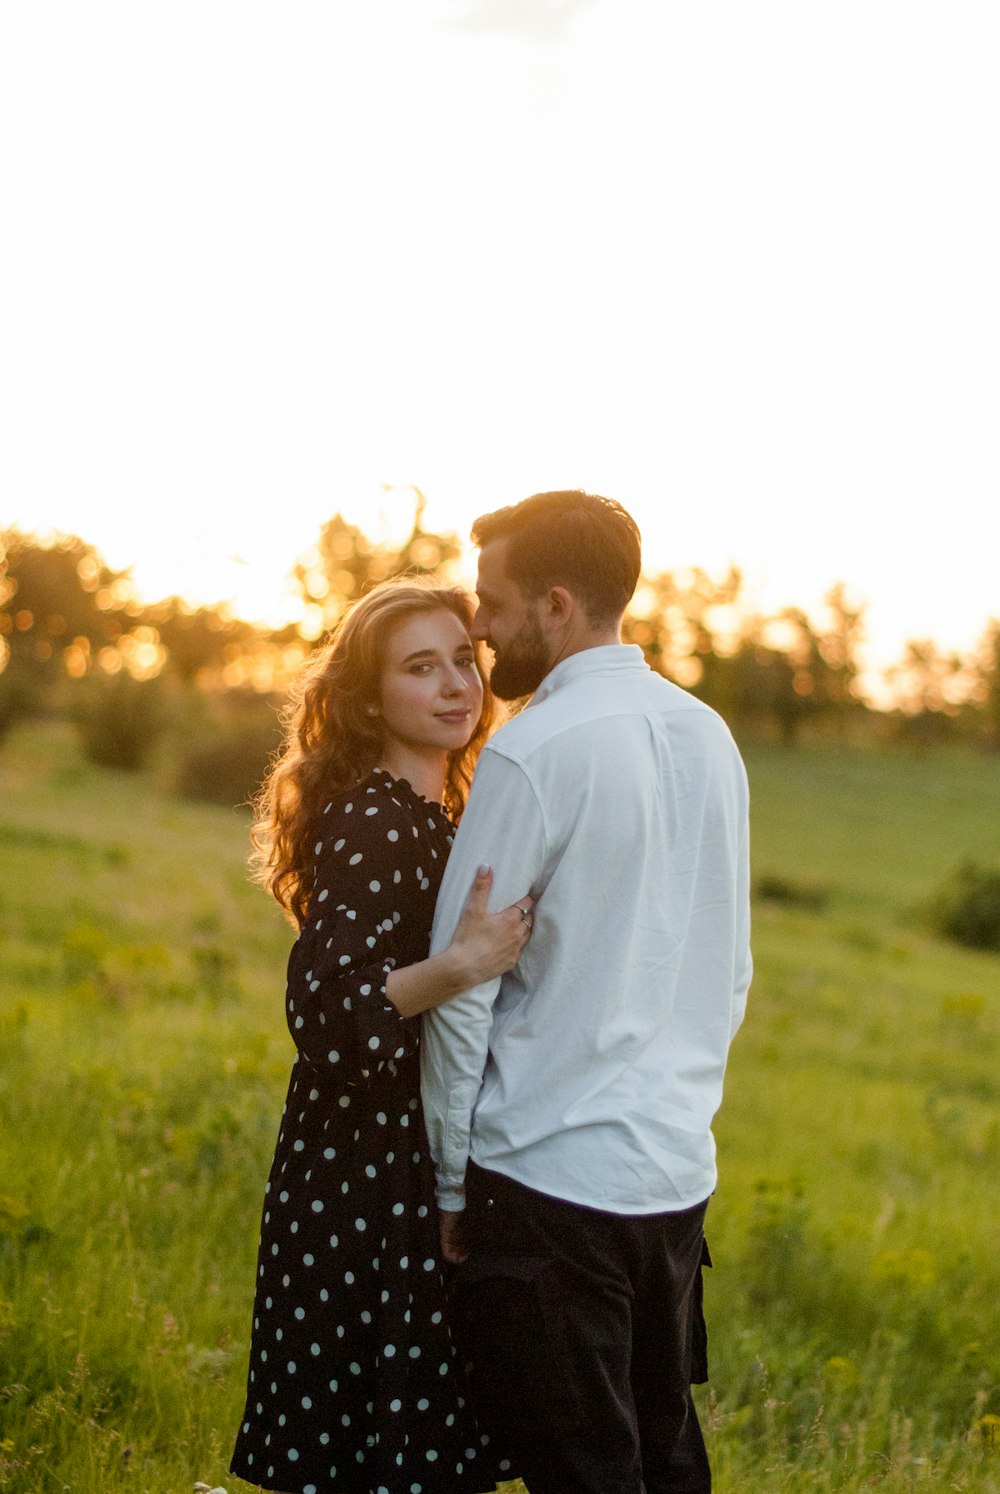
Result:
x=733 y=265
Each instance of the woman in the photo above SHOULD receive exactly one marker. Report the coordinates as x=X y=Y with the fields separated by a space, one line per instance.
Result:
x=354 y=1385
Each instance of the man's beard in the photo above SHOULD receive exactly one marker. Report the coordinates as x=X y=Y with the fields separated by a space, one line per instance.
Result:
x=522 y=664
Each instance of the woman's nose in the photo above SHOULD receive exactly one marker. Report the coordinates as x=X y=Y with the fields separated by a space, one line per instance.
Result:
x=455 y=682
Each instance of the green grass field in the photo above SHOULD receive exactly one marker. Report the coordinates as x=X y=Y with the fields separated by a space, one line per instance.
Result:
x=854 y=1309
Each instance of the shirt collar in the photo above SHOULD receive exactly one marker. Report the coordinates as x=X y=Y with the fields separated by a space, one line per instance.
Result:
x=609 y=658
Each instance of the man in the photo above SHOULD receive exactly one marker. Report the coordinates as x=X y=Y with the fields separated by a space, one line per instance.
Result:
x=569 y=1105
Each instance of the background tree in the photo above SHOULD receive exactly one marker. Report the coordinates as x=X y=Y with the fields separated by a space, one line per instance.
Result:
x=60 y=605
x=345 y=563
x=986 y=684
x=199 y=641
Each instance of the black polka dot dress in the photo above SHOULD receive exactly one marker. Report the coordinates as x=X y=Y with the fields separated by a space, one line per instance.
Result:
x=354 y=1384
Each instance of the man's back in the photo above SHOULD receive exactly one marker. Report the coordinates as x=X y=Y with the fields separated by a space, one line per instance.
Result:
x=621 y=801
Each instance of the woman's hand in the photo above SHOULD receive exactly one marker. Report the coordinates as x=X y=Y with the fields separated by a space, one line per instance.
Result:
x=485 y=945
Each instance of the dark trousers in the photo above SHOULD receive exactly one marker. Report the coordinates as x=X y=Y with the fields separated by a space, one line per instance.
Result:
x=585 y=1332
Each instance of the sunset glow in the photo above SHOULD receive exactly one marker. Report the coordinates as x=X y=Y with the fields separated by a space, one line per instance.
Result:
x=731 y=265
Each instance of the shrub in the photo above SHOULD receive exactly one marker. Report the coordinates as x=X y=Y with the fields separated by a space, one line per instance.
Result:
x=228 y=767
x=20 y=698
x=774 y=887
x=966 y=908
x=121 y=720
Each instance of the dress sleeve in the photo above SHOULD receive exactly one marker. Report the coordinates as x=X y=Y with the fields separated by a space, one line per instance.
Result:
x=338 y=1011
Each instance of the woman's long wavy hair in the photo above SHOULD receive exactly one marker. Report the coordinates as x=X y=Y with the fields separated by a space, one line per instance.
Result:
x=332 y=741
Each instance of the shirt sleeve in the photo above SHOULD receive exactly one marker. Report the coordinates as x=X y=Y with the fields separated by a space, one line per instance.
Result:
x=502 y=827
x=743 y=961
x=339 y=1013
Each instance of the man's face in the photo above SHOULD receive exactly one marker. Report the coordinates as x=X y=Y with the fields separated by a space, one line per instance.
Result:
x=509 y=623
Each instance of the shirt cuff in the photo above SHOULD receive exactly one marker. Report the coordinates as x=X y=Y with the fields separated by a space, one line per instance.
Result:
x=451 y=1198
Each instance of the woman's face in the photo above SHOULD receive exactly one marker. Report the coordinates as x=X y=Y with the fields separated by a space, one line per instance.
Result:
x=430 y=692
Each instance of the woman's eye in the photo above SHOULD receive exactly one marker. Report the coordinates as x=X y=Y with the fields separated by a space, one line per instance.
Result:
x=467 y=663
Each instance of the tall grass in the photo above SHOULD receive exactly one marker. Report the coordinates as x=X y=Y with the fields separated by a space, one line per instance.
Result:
x=854 y=1308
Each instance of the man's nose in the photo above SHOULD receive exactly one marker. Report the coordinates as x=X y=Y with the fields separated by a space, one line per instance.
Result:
x=479 y=629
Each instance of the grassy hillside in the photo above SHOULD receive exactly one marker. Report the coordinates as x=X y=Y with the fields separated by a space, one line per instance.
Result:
x=854 y=1308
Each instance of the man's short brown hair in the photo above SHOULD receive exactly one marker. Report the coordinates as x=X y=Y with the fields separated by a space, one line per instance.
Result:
x=570 y=538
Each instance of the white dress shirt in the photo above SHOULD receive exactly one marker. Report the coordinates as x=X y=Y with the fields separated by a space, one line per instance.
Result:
x=592 y=1070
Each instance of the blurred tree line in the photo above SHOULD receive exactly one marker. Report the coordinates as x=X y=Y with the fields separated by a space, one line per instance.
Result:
x=76 y=640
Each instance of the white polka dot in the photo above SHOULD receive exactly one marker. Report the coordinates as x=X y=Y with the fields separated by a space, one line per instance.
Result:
x=317 y=1206
x=355 y=858
x=334 y=1057
x=389 y=1350
x=373 y=1043
x=308 y=1260
x=393 y=1406
x=374 y=886
x=393 y=835
x=429 y=1265
x=293 y=1456
x=338 y=845
x=360 y=1224
x=323 y=895
x=422 y=1405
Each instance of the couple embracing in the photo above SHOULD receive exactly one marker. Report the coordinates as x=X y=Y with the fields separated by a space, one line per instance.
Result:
x=502 y=1279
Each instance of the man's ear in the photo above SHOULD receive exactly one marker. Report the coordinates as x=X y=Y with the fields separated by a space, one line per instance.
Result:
x=559 y=606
